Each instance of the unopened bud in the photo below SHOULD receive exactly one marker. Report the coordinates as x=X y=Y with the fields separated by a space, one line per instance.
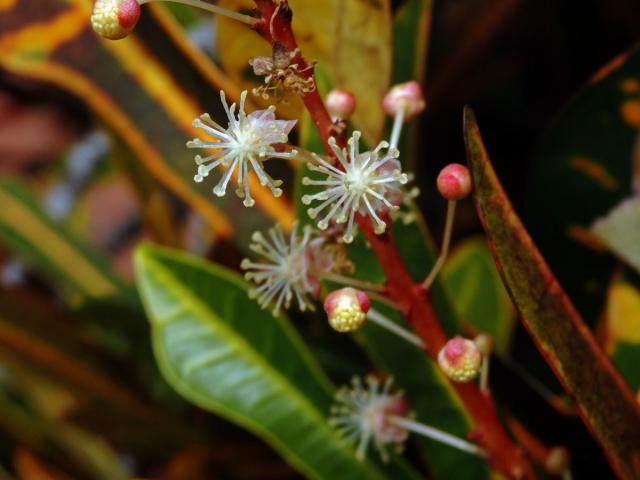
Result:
x=340 y=103
x=454 y=182
x=405 y=97
x=347 y=309
x=557 y=461
x=460 y=360
x=115 y=19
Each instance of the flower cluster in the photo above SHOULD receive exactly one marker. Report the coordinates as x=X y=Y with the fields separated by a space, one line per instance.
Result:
x=363 y=414
x=281 y=74
x=291 y=267
x=366 y=184
x=246 y=143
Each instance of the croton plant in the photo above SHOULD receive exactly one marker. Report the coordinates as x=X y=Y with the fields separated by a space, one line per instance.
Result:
x=304 y=299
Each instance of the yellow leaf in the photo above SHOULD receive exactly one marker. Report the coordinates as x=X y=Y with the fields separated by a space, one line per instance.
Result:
x=362 y=60
x=352 y=41
x=623 y=314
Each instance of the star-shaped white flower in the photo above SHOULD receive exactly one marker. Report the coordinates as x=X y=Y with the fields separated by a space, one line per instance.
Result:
x=287 y=269
x=366 y=183
x=246 y=143
x=362 y=415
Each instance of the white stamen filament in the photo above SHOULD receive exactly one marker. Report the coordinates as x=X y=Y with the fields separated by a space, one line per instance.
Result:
x=438 y=435
x=398 y=121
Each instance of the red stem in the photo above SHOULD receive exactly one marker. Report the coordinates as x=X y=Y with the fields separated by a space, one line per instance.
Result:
x=274 y=24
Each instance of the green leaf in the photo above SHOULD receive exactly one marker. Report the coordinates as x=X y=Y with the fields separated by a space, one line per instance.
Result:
x=606 y=404
x=626 y=357
x=476 y=291
x=221 y=351
x=49 y=249
x=580 y=172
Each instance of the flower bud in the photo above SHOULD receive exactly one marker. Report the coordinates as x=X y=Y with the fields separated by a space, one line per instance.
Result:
x=460 y=360
x=454 y=182
x=114 y=19
x=347 y=309
x=557 y=461
x=340 y=103
x=404 y=96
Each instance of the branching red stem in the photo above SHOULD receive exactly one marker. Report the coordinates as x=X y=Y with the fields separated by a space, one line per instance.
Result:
x=274 y=24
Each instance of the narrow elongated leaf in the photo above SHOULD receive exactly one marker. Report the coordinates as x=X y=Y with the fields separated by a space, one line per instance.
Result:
x=221 y=351
x=28 y=232
x=607 y=406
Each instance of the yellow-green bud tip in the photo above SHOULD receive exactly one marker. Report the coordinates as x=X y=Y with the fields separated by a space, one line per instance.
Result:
x=460 y=360
x=346 y=309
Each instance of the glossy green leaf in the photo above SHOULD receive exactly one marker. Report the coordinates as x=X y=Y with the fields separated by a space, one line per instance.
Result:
x=49 y=249
x=580 y=172
x=476 y=291
x=221 y=351
x=606 y=404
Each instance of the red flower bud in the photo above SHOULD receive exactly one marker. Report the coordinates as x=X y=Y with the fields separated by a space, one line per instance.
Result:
x=454 y=182
x=340 y=103
x=404 y=96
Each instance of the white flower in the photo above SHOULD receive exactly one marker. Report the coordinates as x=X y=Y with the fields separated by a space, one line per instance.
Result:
x=288 y=269
x=362 y=414
x=245 y=144
x=368 y=184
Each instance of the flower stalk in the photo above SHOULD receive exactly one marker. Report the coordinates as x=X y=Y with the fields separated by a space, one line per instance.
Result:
x=274 y=24
x=438 y=435
x=389 y=325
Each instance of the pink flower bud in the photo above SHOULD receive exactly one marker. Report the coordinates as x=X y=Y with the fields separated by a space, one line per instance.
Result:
x=460 y=360
x=347 y=309
x=115 y=19
x=340 y=103
x=404 y=96
x=454 y=182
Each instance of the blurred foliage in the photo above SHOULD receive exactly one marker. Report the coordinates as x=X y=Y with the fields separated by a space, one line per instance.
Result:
x=81 y=395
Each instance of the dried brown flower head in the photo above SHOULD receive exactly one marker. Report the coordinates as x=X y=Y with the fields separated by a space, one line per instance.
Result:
x=280 y=74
